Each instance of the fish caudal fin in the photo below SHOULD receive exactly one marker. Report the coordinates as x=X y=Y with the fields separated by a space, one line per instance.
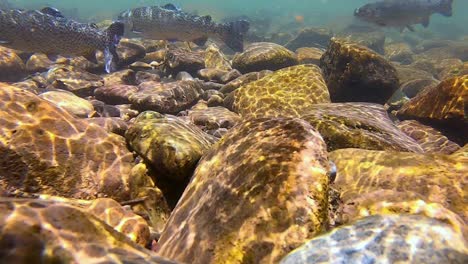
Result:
x=114 y=33
x=445 y=8
x=233 y=34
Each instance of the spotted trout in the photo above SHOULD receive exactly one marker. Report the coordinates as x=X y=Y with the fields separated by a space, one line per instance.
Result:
x=169 y=22
x=47 y=31
x=403 y=13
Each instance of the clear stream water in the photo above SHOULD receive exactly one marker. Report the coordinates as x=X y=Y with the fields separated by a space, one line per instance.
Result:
x=331 y=13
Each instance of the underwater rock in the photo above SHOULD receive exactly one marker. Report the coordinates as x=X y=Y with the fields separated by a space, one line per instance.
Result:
x=358 y=125
x=211 y=74
x=212 y=86
x=83 y=64
x=211 y=119
x=431 y=140
x=309 y=55
x=126 y=112
x=172 y=146
x=215 y=59
x=280 y=38
x=12 y=68
x=70 y=102
x=184 y=76
x=374 y=40
x=385 y=239
x=121 y=219
x=104 y=110
x=38 y=62
x=357 y=74
x=454 y=50
x=229 y=76
x=264 y=56
x=140 y=66
x=115 y=94
x=110 y=124
x=453 y=70
x=257 y=194
x=142 y=77
x=167 y=98
x=49 y=231
x=181 y=59
x=156 y=56
x=209 y=93
x=408 y=73
x=432 y=178
x=130 y=51
x=44 y=149
x=215 y=100
x=288 y=92
x=125 y=77
x=29 y=85
x=444 y=104
x=413 y=87
x=74 y=80
x=400 y=52
x=310 y=37
x=243 y=80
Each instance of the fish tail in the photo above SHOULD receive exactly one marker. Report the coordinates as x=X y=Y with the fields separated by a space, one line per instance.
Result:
x=233 y=34
x=445 y=8
x=114 y=33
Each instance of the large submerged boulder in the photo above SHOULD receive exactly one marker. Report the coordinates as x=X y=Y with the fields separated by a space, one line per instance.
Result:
x=257 y=194
x=357 y=74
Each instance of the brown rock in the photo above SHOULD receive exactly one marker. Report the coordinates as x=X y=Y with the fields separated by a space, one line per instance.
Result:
x=444 y=104
x=413 y=87
x=167 y=98
x=243 y=80
x=215 y=59
x=38 y=63
x=46 y=150
x=180 y=59
x=123 y=77
x=431 y=140
x=357 y=74
x=130 y=51
x=407 y=73
x=264 y=56
x=115 y=94
x=69 y=102
x=309 y=55
x=12 y=68
x=310 y=37
x=256 y=195
x=288 y=92
x=358 y=125
x=432 y=178
x=74 y=80
x=33 y=230
x=400 y=52
x=210 y=119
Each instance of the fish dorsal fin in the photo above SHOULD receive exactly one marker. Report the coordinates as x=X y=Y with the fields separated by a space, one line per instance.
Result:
x=52 y=12
x=171 y=7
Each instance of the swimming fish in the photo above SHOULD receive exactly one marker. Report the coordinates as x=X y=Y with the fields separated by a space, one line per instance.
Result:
x=403 y=13
x=47 y=31
x=169 y=22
